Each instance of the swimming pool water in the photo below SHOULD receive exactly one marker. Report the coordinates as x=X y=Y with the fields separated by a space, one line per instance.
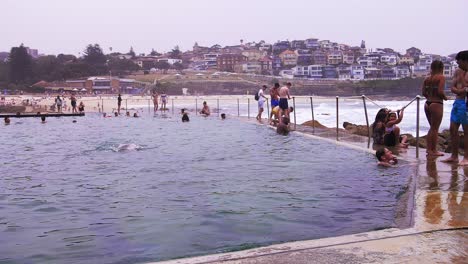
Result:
x=75 y=193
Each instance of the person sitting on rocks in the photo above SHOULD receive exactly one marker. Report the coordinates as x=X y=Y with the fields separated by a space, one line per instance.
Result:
x=386 y=157
x=378 y=127
x=392 y=131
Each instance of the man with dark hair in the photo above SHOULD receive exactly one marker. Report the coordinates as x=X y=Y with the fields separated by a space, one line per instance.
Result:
x=274 y=96
x=458 y=114
x=283 y=101
x=283 y=126
x=385 y=157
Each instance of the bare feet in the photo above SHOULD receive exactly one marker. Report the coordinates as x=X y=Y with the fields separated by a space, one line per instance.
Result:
x=464 y=162
x=450 y=160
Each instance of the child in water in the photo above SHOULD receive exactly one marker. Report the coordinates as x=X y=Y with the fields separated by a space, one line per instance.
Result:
x=392 y=131
x=386 y=157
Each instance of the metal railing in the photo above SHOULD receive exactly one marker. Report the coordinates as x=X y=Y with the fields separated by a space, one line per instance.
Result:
x=139 y=103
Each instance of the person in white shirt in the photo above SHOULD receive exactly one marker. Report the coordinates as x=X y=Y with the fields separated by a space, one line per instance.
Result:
x=261 y=101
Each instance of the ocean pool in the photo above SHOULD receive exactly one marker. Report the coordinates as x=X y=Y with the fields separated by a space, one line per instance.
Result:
x=118 y=190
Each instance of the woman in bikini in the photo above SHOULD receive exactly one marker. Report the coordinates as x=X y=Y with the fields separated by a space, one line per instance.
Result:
x=433 y=90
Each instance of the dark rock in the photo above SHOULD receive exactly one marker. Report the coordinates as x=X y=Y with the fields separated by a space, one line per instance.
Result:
x=313 y=123
x=356 y=129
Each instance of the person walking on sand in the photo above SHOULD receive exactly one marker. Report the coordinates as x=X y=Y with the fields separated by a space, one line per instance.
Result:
x=458 y=114
x=119 y=103
x=163 y=101
x=283 y=101
x=155 y=101
x=433 y=90
x=73 y=103
x=261 y=102
x=58 y=103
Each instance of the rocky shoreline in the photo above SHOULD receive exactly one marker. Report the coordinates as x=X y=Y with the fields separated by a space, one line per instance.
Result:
x=444 y=142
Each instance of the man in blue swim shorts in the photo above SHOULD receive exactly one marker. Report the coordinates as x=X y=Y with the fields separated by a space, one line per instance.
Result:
x=459 y=111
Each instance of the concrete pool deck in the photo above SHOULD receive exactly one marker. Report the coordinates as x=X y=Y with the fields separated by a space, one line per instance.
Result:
x=436 y=230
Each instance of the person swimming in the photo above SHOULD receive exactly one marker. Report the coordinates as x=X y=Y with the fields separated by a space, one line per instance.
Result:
x=185 y=117
x=385 y=157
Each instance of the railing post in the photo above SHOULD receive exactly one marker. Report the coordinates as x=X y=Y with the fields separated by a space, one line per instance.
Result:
x=294 y=106
x=337 y=117
x=238 y=107
x=365 y=112
x=126 y=105
x=313 y=118
x=149 y=106
x=217 y=101
x=417 y=125
x=196 y=106
x=102 y=104
x=268 y=110
x=172 y=106
x=248 y=107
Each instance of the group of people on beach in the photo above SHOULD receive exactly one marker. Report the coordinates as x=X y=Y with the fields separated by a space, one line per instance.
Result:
x=280 y=110
x=433 y=90
x=61 y=104
x=162 y=98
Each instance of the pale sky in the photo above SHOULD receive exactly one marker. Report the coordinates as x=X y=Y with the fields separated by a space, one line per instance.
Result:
x=62 y=26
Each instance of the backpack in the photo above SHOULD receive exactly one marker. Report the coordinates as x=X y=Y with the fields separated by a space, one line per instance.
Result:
x=257 y=97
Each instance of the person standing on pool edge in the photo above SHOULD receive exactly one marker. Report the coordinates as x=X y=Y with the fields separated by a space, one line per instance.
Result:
x=261 y=101
x=119 y=103
x=283 y=101
x=433 y=90
x=458 y=114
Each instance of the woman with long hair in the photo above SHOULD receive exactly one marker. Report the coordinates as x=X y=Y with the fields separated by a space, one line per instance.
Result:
x=433 y=90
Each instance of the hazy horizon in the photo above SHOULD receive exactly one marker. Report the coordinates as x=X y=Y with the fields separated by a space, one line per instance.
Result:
x=54 y=26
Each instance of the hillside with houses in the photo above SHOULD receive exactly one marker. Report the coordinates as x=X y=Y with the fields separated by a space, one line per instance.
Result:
x=313 y=64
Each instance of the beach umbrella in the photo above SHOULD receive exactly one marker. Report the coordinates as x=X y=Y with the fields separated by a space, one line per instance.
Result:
x=75 y=89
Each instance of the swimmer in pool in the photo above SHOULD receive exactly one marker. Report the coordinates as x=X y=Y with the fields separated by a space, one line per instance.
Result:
x=283 y=127
x=185 y=117
x=386 y=157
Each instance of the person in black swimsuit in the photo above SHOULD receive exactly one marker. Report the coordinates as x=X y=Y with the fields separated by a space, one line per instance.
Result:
x=433 y=90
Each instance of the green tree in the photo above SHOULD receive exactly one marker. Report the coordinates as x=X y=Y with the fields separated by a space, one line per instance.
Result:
x=47 y=68
x=154 y=53
x=131 y=52
x=175 y=53
x=122 y=67
x=20 y=65
x=3 y=72
x=95 y=59
x=62 y=58
x=163 y=65
x=178 y=66
x=93 y=55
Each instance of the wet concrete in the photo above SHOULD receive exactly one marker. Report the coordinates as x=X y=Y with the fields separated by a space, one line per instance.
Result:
x=434 y=228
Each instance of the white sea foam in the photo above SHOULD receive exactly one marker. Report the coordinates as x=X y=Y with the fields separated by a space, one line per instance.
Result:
x=127 y=147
